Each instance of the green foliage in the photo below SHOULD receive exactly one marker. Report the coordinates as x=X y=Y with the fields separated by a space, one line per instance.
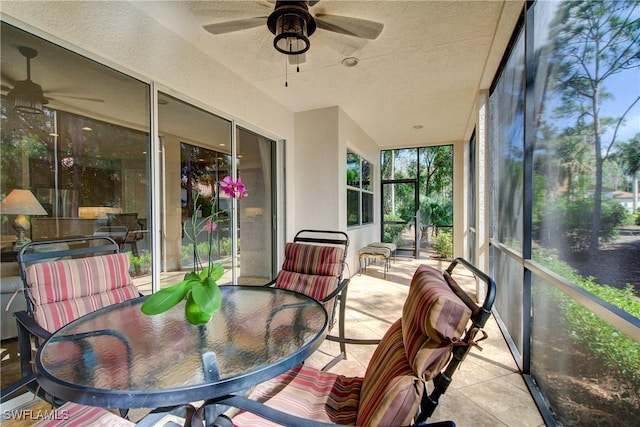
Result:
x=392 y=232
x=436 y=210
x=571 y=221
x=225 y=246
x=202 y=250
x=593 y=41
x=617 y=351
x=143 y=261
x=637 y=220
x=202 y=294
x=443 y=244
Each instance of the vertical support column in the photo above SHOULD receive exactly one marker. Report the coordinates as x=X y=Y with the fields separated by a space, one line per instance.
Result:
x=482 y=188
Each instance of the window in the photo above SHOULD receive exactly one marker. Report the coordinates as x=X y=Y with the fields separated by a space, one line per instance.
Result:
x=359 y=191
x=82 y=153
x=557 y=170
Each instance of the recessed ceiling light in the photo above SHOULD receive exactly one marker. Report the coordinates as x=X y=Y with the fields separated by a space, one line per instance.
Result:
x=418 y=126
x=87 y=128
x=350 y=61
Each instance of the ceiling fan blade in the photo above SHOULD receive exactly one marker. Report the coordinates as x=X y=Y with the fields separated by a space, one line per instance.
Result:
x=237 y=25
x=6 y=88
x=7 y=79
x=79 y=98
x=350 y=26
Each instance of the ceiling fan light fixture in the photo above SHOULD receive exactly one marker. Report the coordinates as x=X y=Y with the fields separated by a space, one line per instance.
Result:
x=291 y=34
x=292 y=24
x=27 y=97
x=27 y=103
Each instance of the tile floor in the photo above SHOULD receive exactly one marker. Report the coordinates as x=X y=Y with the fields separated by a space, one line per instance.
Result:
x=488 y=389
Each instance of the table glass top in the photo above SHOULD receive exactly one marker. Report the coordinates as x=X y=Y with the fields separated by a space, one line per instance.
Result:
x=120 y=349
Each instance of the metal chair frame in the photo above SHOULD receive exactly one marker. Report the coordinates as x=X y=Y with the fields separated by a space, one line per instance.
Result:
x=28 y=328
x=339 y=239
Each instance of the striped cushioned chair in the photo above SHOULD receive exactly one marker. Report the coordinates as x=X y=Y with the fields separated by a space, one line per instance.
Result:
x=63 y=290
x=416 y=349
x=312 y=270
x=63 y=280
x=314 y=264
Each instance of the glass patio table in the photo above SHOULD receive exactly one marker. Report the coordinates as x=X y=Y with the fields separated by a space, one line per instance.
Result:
x=118 y=357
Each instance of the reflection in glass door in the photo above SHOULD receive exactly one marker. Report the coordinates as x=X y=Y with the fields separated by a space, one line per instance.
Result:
x=201 y=170
x=255 y=232
x=200 y=150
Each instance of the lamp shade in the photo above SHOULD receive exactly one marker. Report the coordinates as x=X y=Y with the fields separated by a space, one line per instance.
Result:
x=21 y=202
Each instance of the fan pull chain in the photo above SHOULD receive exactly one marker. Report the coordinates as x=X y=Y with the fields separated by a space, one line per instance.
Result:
x=286 y=75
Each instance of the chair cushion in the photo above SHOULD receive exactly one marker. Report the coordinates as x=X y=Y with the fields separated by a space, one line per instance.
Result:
x=313 y=259
x=308 y=393
x=391 y=392
x=375 y=250
x=432 y=318
x=317 y=287
x=64 y=290
x=311 y=270
x=72 y=414
x=413 y=351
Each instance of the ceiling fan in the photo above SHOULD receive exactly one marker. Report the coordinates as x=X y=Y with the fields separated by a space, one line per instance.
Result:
x=28 y=96
x=292 y=24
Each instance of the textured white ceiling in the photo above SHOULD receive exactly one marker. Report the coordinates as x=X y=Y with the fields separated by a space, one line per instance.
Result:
x=425 y=68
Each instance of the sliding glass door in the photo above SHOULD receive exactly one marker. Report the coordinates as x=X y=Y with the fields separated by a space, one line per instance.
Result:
x=256 y=214
x=199 y=150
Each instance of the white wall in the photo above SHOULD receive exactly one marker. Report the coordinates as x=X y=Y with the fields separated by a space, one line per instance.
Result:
x=317 y=173
x=322 y=139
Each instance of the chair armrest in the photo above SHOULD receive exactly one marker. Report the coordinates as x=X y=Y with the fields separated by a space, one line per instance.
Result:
x=27 y=328
x=270 y=284
x=353 y=340
x=343 y=284
x=29 y=325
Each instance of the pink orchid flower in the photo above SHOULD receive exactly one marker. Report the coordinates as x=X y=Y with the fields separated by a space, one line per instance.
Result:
x=210 y=226
x=235 y=189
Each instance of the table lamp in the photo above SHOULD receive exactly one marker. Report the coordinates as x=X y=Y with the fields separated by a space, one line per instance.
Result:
x=21 y=203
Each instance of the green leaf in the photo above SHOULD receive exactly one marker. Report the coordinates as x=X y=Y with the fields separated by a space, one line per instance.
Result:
x=207 y=295
x=164 y=299
x=214 y=271
x=191 y=276
x=193 y=313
